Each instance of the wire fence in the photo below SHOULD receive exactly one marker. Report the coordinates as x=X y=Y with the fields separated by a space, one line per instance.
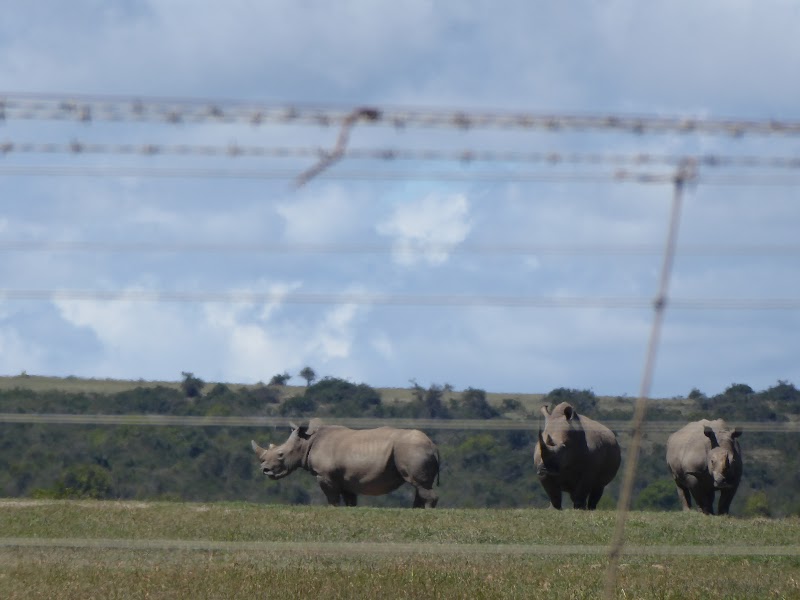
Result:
x=677 y=170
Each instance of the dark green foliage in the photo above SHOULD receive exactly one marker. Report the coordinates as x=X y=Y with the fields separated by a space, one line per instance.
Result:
x=480 y=468
x=192 y=386
x=740 y=402
x=583 y=401
x=298 y=406
x=473 y=405
x=427 y=404
x=308 y=374
x=280 y=379
x=661 y=494
x=80 y=481
x=757 y=505
x=259 y=396
x=158 y=400
x=342 y=398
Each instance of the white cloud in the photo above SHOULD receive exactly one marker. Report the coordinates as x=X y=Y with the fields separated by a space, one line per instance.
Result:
x=334 y=337
x=319 y=217
x=18 y=354
x=427 y=229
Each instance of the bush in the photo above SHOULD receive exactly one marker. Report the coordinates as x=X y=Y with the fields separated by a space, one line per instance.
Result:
x=583 y=401
x=659 y=495
x=80 y=481
x=192 y=386
x=757 y=505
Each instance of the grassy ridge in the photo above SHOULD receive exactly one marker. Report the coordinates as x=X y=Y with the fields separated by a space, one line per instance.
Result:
x=81 y=549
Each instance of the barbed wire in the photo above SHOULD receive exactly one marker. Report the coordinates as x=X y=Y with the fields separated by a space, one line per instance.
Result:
x=520 y=249
x=89 y=108
x=234 y=150
x=501 y=176
x=379 y=299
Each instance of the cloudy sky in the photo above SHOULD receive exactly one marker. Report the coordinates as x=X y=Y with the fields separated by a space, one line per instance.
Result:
x=89 y=252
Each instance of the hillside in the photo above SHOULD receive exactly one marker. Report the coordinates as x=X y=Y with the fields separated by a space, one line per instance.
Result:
x=485 y=440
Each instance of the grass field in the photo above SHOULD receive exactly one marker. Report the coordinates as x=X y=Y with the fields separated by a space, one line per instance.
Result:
x=91 y=549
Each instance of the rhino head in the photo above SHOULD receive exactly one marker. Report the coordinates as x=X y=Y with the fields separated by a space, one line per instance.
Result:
x=553 y=442
x=722 y=458
x=280 y=461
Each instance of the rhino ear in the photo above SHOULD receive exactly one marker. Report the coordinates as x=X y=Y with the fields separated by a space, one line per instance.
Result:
x=544 y=412
x=709 y=433
x=313 y=426
x=293 y=426
x=569 y=412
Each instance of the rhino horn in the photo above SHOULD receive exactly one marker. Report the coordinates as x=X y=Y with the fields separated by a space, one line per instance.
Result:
x=256 y=448
x=271 y=446
x=542 y=445
x=293 y=426
x=544 y=412
x=736 y=432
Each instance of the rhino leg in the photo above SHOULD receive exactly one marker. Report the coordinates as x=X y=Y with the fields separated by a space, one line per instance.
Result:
x=425 y=498
x=594 y=497
x=684 y=497
x=579 y=500
x=350 y=499
x=725 y=499
x=704 y=500
x=553 y=492
x=332 y=493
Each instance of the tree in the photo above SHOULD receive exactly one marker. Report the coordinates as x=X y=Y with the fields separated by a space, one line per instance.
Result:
x=429 y=403
x=584 y=401
x=308 y=374
x=696 y=394
x=280 y=379
x=473 y=405
x=192 y=386
x=757 y=505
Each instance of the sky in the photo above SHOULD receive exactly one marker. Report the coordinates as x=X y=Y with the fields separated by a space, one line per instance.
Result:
x=442 y=242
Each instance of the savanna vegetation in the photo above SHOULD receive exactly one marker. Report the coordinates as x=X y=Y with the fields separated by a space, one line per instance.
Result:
x=123 y=549
x=487 y=466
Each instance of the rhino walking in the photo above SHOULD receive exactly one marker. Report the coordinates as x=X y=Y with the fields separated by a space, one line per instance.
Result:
x=348 y=462
x=575 y=454
x=703 y=457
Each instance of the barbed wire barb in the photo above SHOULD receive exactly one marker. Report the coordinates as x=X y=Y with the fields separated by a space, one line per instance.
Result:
x=367 y=114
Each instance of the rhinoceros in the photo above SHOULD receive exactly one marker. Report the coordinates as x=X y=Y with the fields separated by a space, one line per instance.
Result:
x=575 y=454
x=348 y=462
x=704 y=456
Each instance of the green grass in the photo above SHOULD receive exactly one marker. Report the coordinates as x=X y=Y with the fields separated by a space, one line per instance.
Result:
x=84 y=549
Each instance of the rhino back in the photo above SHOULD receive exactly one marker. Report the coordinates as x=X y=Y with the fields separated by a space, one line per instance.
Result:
x=592 y=451
x=366 y=461
x=688 y=448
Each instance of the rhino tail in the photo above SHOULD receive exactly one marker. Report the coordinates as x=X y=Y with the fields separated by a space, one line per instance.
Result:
x=438 y=467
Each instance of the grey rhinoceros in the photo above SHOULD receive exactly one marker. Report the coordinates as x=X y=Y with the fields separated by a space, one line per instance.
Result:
x=575 y=454
x=349 y=462
x=704 y=456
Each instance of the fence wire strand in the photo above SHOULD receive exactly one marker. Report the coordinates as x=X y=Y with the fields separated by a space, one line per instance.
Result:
x=683 y=176
x=639 y=168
